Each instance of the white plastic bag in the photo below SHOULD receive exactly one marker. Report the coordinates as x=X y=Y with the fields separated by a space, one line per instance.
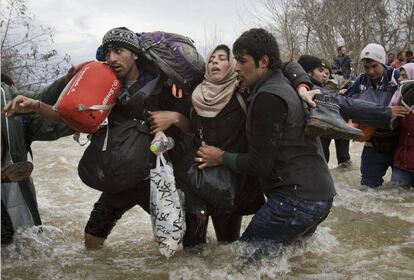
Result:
x=167 y=213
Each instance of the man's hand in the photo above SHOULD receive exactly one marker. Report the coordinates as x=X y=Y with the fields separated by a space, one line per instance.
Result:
x=21 y=104
x=162 y=120
x=399 y=111
x=307 y=95
x=74 y=70
x=208 y=156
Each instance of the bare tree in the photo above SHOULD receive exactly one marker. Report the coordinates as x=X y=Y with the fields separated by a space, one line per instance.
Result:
x=26 y=48
x=318 y=27
x=211 y=40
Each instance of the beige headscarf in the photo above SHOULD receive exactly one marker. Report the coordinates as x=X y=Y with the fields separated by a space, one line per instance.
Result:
x=209 y=97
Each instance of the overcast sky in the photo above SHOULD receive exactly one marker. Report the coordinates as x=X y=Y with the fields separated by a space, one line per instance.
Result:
x=80 y=24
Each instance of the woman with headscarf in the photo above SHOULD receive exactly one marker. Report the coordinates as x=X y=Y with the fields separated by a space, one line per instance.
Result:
x=219 y=119
x=403 y=167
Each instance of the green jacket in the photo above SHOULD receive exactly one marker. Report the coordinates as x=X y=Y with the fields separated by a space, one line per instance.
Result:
x=18 y=132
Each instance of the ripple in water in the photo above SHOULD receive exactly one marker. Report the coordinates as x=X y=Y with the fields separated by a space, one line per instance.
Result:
x=368 y=235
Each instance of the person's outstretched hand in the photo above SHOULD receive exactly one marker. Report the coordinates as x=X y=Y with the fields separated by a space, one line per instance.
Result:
x=307 y=95
x=399 y=111
x=21 y=104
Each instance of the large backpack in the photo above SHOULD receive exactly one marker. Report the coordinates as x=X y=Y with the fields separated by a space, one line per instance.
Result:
x=88 y=98
x=175 y=56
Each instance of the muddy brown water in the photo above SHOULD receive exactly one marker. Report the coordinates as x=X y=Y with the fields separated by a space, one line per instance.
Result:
x=368 y=235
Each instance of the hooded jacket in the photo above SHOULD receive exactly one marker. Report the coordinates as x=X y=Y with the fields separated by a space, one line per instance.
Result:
x=18 y=132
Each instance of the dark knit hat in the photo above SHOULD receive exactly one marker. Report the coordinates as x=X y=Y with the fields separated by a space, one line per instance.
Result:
x=309 y=62
x=121 y=37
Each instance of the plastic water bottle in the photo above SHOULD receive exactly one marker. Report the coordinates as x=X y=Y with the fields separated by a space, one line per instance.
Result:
x=160 y=146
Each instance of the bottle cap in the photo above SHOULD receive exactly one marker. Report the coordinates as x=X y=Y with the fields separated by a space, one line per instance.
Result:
x=153 y=148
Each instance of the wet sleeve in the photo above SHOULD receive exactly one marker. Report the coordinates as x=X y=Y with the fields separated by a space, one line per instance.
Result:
x=364 y=112
x=354 y=89
x=296 y=75
x=267 y=122
x=50 y=94
x=40 y=129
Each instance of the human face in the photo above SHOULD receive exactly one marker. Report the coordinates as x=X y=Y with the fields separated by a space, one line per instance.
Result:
x=218 y=64
x=321 y=74
x=342 y=51
x=249 y=73
x=122 y=62
x=390 y=58
x=373 y=69
x=403 y=76
x=402 y=57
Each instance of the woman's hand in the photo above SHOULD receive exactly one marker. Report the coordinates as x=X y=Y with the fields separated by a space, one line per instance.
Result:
x=399 y=111
x=162 y=120
x=208 y=156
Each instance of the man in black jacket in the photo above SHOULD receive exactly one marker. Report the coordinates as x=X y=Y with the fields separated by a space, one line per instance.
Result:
x=290 y=166
x=122 y=51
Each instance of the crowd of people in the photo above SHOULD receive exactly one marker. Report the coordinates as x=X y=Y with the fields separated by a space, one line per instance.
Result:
x=402 y=58
x=248 y=115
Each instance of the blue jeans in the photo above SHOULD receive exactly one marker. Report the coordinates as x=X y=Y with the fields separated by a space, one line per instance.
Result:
x=282 y=219
x=374 y=165
x=402 y=178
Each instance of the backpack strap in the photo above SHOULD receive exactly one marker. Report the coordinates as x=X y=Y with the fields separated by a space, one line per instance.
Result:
x=3 y=95
x=82 y=107
x=241 y=102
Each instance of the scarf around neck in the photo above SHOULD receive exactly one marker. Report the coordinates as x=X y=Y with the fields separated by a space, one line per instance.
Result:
x=396 y=98
x=210 y=97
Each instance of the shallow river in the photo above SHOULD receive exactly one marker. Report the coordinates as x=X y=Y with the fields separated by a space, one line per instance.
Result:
x=368 y=235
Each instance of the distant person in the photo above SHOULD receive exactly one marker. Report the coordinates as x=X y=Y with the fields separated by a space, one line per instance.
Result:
x=409 y=56
x=390 y=58
x=377 y=84
x=367 y=112
x=403 y=167
x=399 y=61
x=341 y=64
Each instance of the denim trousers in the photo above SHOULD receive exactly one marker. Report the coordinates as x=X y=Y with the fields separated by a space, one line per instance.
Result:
x=283 y=218
x=402 y=178
x=374 y=165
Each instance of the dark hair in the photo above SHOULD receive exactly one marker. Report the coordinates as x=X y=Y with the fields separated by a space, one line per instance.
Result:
x=224 y=48
x=399 y=54
x=409 y=53
x=258 y=42
x=7 y=80
x=340 y=48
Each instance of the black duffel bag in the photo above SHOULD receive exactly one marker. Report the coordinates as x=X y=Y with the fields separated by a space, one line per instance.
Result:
x=117 y=158
x=217 y=185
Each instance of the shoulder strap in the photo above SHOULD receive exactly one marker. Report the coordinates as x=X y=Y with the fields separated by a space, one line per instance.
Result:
x=241 y=102
x=3 y=95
